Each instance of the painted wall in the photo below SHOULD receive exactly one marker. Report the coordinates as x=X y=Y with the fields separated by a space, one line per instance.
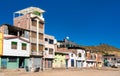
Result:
x=0 y=62
x=82 y=54
x=1 y=44
x=72 y=56
x=80 y=61
x=12 y=65
x=48 y=45
x=15 y=52
x=59 y=61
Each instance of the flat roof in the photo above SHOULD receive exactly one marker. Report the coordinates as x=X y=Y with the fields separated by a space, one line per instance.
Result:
x=30 y=10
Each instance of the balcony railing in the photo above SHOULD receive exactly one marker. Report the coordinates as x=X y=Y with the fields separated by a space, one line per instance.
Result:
x=37 y=53
x=33 y=40
x=33 y=28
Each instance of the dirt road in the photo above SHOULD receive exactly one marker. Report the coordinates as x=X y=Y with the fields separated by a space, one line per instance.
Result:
x=66 y=72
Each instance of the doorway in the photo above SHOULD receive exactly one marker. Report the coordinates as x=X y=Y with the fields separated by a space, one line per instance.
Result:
x=4 y=63
x=21 y=62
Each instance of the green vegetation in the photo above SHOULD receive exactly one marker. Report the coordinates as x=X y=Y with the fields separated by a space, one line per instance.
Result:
x=37 y=13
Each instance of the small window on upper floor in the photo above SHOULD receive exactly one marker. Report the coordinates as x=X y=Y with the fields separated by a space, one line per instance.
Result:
x=79 y=54
x=51 y=41
x=24 y=46
x=50 y=51
x=46 y=48
x=46 y=39
x=71 y=55
x=13 y=45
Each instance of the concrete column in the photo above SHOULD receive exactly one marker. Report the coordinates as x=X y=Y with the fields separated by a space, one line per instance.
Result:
x=37 y=43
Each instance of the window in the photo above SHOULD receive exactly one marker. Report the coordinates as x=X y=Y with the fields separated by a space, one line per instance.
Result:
x=41 y=25
x=46 y=39
x=41 y=48
x=33 y=47
x=46 y=48
x=12 y=59
x=51 y=41
x=41 y=36
x=79 y=55
x=33 y=35
x=14 y=45
x=34 y=22
x=71 y=55
x=24 y=46
x=50 y=51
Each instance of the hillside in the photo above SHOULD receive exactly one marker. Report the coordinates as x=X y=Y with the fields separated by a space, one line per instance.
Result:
x=104 y=49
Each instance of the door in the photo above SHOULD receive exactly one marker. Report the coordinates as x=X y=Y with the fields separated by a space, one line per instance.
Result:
x=78 y=64
x=21 y=62
x=49 y=63
x=4 y=63
x=72 y=62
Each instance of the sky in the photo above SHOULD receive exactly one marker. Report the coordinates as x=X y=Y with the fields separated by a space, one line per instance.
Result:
x=86 y=22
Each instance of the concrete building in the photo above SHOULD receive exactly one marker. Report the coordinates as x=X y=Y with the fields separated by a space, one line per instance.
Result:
x=91 y=59
x=77 y=57
x=32 y=19
x=49 y=52
x=14 y=48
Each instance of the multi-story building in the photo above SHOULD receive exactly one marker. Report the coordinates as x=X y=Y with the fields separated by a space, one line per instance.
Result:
x=49 y=51
x=14 y=48
x=32 y=19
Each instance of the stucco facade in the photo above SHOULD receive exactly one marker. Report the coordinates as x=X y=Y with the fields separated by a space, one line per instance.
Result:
x=16 y=53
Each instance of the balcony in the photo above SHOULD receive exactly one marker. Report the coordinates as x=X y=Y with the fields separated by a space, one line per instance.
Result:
x=40 y=17
x=33 y=28
x=35 y=53
x=34 y=40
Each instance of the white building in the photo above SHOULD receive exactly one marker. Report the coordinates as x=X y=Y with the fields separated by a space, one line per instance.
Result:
x=15 y=52
x=80 y=58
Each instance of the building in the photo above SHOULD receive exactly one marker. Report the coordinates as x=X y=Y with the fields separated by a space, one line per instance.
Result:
x=49 y=51
x=91 y=59
x=76 y=53
x=61 y=58
x=14 y=48
x=110 y=60
x=32 y=19
x=77 y=57
x=66 y=43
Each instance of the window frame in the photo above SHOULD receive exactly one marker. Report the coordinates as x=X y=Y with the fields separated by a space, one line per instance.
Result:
x=51 y=51
x=14 y=45
x=24 y=47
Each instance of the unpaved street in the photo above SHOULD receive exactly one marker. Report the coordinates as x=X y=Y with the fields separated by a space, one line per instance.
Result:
x=65 y=72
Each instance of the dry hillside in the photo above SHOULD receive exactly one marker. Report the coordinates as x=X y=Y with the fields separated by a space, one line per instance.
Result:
x=104 y=49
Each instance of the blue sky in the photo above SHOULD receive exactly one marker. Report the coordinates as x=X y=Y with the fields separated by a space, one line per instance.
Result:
x=86 y=22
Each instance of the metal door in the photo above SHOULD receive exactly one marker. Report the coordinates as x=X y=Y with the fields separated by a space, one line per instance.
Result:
x=4 y=63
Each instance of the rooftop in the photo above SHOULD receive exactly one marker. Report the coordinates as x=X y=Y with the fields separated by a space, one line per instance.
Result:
x=30 y=10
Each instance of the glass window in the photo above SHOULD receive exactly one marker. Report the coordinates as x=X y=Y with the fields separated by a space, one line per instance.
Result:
x=46 y=39
x=24 y=46
x=46 y=48
x=50 y=51
x=14 y=45
x=51 y=41
x=79 y=54
x=12 y=59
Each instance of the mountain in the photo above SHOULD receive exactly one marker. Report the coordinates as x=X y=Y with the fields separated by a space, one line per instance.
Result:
x=104 y=49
